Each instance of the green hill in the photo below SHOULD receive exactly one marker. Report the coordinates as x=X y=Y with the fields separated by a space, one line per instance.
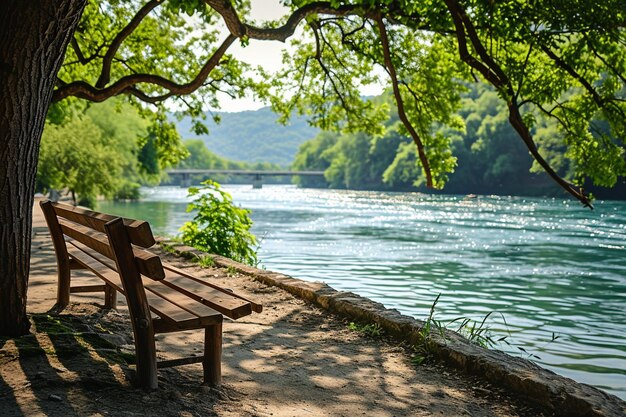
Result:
x=253 y=136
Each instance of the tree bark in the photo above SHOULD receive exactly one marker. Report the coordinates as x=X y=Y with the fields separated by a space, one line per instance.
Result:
x=34 y=35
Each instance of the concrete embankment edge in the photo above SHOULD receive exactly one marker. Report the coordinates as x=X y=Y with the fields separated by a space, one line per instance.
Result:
x=560 y=395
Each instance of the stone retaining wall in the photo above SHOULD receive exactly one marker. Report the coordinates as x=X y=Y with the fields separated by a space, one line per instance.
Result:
x=562 y=396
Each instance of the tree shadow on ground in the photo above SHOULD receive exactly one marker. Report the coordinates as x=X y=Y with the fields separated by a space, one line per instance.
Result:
x=65 y=368
x=309 y=362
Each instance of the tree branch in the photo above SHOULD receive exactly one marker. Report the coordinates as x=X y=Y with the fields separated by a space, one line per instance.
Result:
x=391 y=69
x=329 y=74
x=105 y=74
x=127 y=85
x=79 y=53
x=497 y=77
x=457 y=13
x=282 y=33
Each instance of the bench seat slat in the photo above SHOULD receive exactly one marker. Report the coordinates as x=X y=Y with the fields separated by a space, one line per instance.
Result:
x=89 y=237
x=177 y=316
x=160 y=297
x=258 y=308
x=191 y=315
x=87 y=288
x=147 y=262
x=138 y=231
x=222 y=301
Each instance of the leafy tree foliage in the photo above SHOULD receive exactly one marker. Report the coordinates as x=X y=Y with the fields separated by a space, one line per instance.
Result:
x=489 y=158
x=219 y=226
x=93 y=151
x=76 y=157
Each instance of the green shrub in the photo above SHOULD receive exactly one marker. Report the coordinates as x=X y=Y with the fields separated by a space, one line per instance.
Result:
x=371 y=329
x=127 y=191
x=87 y=200
x=219 y=226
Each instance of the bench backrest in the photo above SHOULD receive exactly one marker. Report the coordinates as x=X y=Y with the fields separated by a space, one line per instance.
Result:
x=121 y=240
x=90 y=228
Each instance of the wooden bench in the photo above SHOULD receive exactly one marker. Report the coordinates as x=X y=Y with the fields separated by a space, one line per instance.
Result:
x=160 y=297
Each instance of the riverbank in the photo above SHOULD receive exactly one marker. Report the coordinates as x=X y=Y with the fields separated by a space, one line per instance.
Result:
x=293 y=359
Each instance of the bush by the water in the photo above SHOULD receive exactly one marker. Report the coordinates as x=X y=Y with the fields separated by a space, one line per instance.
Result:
x=219 y=226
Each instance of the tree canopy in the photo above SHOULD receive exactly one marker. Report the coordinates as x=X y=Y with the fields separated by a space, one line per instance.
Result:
x=561 y=59
x=98 y=150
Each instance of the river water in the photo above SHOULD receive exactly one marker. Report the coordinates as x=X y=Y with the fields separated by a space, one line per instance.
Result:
x=546 y=268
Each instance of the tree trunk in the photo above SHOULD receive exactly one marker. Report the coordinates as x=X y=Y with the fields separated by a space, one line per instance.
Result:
x=34 y=35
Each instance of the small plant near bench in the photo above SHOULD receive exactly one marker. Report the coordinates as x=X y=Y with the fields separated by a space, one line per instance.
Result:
x=219 y=226
x=478 y=333
x=423 y=349
x=370 y=329
x=205 y=261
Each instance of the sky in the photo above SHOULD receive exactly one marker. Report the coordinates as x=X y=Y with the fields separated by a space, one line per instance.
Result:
x=267 y=54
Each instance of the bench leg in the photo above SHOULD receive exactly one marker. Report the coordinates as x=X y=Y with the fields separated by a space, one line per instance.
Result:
x=110 y=297
x=212 y=362
x=63 y=285
x=145 y=353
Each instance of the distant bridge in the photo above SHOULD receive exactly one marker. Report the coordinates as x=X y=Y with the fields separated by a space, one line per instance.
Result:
x=257 y=175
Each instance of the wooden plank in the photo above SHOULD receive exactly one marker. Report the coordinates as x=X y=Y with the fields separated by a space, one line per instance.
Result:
x=105 y=273
x=258 y=308
x=95 y=240
x=165 y=326
x=171 y=312
x=224 y=302
x=148 y=263
x=87 y=288
x=178 y=362
x=75 y=265
x=138 y=231
x=182 y=301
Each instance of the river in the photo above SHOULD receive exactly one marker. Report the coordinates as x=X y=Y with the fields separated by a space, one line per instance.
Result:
x=546 y=268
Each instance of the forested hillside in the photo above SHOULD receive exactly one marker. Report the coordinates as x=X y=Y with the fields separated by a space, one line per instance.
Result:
x=490 y=157
x=252 y=136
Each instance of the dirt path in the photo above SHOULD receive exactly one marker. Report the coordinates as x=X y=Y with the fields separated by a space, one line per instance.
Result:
x=291 y=360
